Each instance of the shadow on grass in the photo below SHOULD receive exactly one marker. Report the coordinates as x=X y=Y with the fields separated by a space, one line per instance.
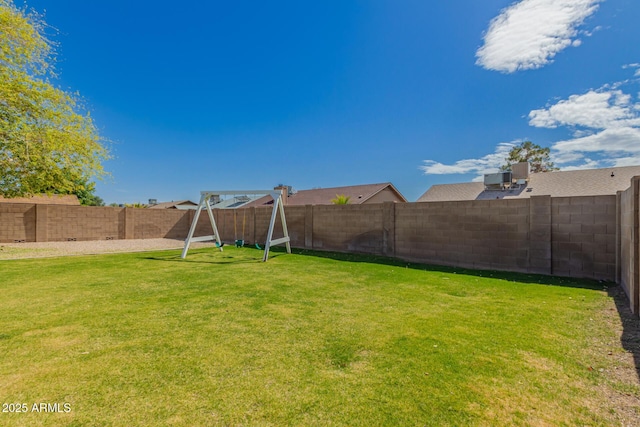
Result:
x=630 y=325
x=278 y=251
x=494 y=274
x=217 y=257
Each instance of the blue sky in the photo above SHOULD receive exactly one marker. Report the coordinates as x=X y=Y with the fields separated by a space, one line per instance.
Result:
x=246 y=95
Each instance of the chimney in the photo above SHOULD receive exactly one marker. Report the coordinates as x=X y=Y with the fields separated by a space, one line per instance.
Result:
x=285 y=191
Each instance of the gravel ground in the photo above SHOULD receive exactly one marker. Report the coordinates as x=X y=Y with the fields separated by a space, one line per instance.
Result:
x=54 y=249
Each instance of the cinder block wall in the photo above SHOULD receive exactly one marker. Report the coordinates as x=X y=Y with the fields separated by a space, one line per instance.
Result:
x=154 y=223
x=17 y=222
x=81 y=223
x=584 y=236
x=262 y=219
x=348 y=228
x=295 y=225
x=629 y=240
x=485 y=234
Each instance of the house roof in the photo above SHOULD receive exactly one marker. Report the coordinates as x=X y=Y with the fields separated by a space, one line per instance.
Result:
x=173 y=205
x=357 y=194
x=586 y=182
x=239 y=202
x=44 y=199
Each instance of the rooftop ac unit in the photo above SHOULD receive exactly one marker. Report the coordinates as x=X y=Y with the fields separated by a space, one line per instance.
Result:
x=498 y=179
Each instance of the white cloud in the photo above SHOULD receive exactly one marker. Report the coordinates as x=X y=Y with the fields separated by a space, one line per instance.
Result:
x=605 y=124
x=595 y=110
x=586 y=164
x=614 y=140
x=568 y=157
x=529 y=33
x=627 y=161
x=487 y=164
x=635 y=65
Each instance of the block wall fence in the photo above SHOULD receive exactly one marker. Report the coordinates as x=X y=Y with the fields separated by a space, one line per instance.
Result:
x=593 y=237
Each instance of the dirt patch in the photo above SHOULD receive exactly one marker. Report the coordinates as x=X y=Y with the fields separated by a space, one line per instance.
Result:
x=621 y=349
x=55 y=249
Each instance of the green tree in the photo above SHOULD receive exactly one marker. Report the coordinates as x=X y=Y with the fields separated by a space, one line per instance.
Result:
x=85 y=192
x=341 y=200
x=87 y=196
x=48 y=143
x=527 y=151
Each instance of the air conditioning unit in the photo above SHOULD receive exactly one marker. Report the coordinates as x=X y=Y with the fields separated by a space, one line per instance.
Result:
x=500 y=179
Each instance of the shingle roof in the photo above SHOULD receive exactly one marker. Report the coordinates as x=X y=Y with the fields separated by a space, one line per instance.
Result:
x=172 y=205
x=586 y=182
x=43 y=199
x=357 y=194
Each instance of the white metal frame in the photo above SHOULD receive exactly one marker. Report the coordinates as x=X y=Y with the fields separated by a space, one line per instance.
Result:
x=205 y=196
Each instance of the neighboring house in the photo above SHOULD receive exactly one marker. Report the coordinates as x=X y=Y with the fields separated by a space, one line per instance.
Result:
x=587 y=182
x=44 y=199
x=358 y=195
x=180 y=204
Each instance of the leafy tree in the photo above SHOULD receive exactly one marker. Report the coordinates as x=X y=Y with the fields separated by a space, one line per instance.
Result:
x=48 y=143
x=85 y=191
x=89 y=198
x=341 y=200
x=527 y=151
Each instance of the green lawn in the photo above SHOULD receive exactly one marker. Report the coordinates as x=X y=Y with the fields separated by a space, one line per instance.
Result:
x=305 y=339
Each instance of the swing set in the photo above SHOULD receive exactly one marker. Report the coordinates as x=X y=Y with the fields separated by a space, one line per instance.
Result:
x=205 y=203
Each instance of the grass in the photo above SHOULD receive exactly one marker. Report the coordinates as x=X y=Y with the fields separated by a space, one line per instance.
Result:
x=306 y=339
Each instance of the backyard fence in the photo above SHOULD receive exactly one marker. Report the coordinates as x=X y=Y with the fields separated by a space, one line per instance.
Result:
x=584 y=237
